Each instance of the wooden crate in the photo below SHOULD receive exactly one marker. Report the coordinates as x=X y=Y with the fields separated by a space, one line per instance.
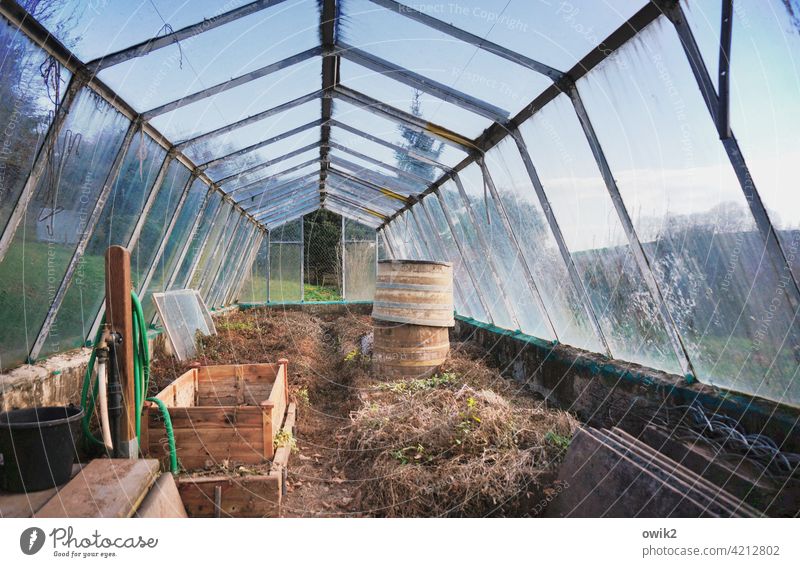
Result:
x=230 y=412
x=233 y=496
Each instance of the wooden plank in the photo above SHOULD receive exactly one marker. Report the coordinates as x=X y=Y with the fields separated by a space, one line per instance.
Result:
x=268 y=433
x=281 y=458
x=119 y=317
x=242 y=496
x=202 y=416
x=163 y=500
x=105 y=488
x=24 y=505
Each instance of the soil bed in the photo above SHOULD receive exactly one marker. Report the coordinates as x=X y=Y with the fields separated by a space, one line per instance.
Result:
x=465 y=442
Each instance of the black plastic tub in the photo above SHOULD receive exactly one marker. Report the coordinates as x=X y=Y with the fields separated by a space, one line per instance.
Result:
x=37 y=447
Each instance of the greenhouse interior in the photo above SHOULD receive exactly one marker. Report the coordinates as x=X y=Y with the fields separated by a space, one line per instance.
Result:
x=378 y=258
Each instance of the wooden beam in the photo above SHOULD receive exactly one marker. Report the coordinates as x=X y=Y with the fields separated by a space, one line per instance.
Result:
x=120 y=319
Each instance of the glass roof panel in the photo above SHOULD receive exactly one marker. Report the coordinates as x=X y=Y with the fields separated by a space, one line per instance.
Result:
x=393 y=183
x=352 y=214
x=215 y=56
x=84 y=26
x=260 y=155
x=404 y=97
x=274 y=170
x=363 y=195
x=224 y=144
x=253 y=192
x=558 y=34
x=240 y=102
x=284 y=219
x=436 y=55
x=366 y=170
x=263 y=200
x=395 y=133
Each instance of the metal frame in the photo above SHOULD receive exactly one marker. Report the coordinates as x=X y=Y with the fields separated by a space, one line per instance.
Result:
x=279 y=109
x=416 y=123
x=220 y=251
x=330 y=79
x=715 y=108
x=561 y=243
x=83 y=242
x=272 y=176
x=261 y=144
x=362 y=171
x=472 y=39
x=421 y=83
x=379 y=163
x=40 y=161
x=149 y=45
x=188 y=244
x=232 y=83
x=394 y=147
x=374 y=187
x=201 y=246
x=681 y=354
x=268 y=163
x=162 y=245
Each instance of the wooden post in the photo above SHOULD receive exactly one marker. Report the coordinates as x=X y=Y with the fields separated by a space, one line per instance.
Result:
x=284 y=362
x=120 y=317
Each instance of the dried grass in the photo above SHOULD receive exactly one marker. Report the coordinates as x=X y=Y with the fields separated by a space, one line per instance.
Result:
x=466 y=443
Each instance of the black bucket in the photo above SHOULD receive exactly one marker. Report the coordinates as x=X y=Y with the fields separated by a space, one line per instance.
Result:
x=37 y=447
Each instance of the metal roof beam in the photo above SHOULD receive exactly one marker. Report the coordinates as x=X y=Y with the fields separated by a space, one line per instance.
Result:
x=421 y=83
x=261 y=144
x=410 y=153
x=472 y=39
x=268 y=197
x=330 y=79
x=268 y=163
x=232 y=83
x=149 y=45
x=413 y=122
x=373 y=186
x=273 y=176
x=369 y=175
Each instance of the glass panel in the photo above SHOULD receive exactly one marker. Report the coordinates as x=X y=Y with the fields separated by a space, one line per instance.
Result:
x=705 y=19
x=220 y=253
x=224 y=144
x=286 y=263
x=213 y=240
x=394 y=93
x=206 y=224
x=216 y=55
x=86 y=293
x=353 y=213
x=379 y=175
x=440 y=57
x=364 y=196
x=563 y=302
x=765 y=85
x=254 y=288
x=285 y=217
x=54 y=222
x=84 y=26
x=240 y=102
x=359 y=268
x=261 y=194
x=228 y=262
x=594 y=235
x=157 y=221
x=471 y=307
x=466 y=233
x=506 y=258
x=726 y=298
x=272 y=151
x=177 y=239
x=25 y=113
x=272 y=172
x=558 y=34
x=394 y=133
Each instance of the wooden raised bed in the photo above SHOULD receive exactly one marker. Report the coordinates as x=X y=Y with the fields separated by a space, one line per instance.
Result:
x=240 y=496
x=220 y=413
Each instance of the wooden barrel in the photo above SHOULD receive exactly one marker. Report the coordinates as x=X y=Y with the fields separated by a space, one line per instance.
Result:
x=414 y=291
x=408 y=351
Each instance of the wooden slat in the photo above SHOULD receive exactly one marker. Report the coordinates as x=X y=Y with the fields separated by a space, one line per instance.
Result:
x=163 y=500
x=281 y=458
x=105 y=488
x=242 y=496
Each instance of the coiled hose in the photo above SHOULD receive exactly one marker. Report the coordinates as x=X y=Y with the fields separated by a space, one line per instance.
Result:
x=141 y=383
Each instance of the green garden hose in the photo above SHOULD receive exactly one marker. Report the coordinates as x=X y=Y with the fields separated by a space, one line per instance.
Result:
x=141 y=383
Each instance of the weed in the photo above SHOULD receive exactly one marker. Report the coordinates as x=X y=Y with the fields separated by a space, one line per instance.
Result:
x=559 y=441
x=301 y=395
x=286 y=439
x=235 y=326
x=419 y=384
